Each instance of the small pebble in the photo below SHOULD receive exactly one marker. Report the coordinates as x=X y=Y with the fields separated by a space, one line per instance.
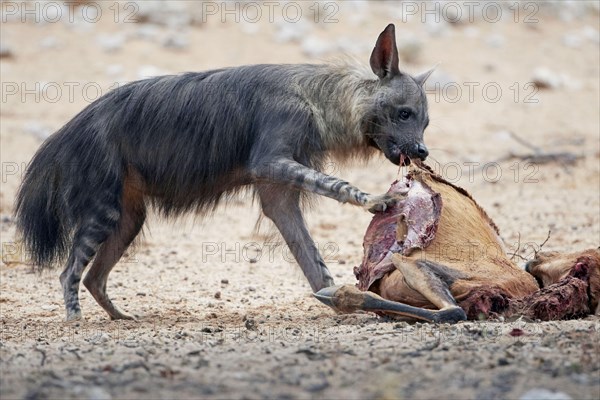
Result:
x=114 y=70
x=544 y=78
x=495 y=40
x=176 y=41
x=49 y=42
x=572 y=40
x=37 y=129
x=110 y=43
x=149 y=71
x=313 y=46
x=147 y=32
x=544 y=394
x=5 y=51
x=250 y=324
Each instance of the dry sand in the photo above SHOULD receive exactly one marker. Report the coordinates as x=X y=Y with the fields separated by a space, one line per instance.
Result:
x=218 y=318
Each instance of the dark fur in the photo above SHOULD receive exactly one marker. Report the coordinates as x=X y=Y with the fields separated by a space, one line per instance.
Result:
x=183 y=143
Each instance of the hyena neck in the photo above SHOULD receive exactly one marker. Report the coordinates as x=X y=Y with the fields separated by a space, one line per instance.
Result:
x=339 y=96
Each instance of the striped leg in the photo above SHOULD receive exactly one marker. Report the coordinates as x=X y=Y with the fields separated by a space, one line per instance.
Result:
x=289 y=172
x=88 y=238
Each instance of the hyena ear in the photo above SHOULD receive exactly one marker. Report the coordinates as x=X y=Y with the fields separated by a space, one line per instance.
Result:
x=422 y=78
x=384 y=59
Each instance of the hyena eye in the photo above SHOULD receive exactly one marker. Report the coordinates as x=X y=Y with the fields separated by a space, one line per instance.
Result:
x=404 y=114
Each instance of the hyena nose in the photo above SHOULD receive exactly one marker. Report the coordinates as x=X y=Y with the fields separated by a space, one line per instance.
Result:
x=421 y=151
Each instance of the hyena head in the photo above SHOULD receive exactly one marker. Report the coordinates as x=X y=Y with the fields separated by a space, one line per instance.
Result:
x=397 y=115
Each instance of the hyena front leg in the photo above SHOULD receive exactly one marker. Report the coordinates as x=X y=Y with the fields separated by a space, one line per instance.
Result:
x=283 y=208
x=289 y=172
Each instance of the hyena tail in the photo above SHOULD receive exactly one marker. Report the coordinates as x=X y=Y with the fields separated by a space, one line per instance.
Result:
x=71 y=182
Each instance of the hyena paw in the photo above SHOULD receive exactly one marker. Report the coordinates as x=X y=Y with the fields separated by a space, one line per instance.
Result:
x=73 y=315
x=119 y=315
x=380 y=203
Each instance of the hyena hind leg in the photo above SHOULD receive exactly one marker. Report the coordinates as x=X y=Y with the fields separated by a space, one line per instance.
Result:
x=87 y=240
x=110 y=252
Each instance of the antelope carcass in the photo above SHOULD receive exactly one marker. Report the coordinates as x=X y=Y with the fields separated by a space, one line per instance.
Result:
x=437 y=256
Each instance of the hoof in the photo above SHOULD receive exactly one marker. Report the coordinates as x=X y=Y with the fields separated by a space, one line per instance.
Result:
x=450 y=316
x=327 y=295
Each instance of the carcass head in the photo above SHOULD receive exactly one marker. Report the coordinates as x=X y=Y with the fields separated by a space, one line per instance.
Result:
x=550 y=267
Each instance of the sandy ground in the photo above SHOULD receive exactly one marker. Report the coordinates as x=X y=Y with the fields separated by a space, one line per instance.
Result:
x=222 y=312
